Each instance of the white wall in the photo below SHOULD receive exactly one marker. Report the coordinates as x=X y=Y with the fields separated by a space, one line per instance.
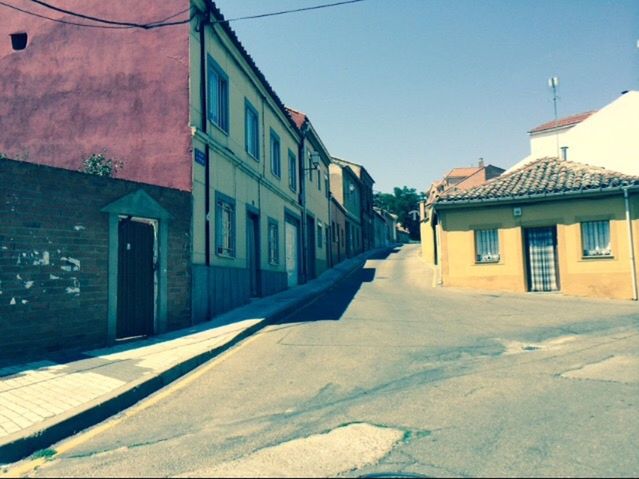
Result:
x=608 y=138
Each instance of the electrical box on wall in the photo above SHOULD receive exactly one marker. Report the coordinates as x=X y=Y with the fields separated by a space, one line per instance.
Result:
x=517 y=212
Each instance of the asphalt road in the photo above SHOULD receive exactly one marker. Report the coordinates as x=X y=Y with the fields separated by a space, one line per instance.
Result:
x=387 y=375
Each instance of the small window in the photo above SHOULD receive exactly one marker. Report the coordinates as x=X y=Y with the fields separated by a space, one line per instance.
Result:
x=19 y=40
x=225 y=226
x=320 y=235
x=218 y=84
x=292 y=171
x=319 y=179
x=595 y=238
x=251 y=131
x=273 y=242
x=327 y=189
x=276 y=166
x=486 y=246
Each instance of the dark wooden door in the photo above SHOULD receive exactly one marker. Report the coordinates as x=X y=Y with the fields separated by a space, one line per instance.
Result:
x=135 y=279
x=310 y=256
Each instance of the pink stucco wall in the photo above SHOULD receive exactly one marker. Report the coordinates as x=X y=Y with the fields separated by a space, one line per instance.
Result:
x=76 y=91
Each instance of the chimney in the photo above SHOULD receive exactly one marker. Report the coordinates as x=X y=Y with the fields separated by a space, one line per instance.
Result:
x=481 y=163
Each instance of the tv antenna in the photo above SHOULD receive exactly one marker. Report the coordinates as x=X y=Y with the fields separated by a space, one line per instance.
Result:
x=553 y=82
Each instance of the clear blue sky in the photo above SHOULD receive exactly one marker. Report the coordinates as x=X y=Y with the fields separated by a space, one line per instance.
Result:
x=412 y=88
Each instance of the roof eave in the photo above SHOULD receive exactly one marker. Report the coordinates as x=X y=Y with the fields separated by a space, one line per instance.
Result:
x=533 y=197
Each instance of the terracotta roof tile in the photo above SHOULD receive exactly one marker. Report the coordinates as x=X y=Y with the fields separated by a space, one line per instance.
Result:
x=298 y=117
x=567 y=121
x=459 y=172
x=542 y=177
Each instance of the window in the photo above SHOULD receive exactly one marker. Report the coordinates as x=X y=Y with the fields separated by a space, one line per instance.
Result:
x=292 y=171
x=486 y=246
x=320 y=235
x=319 y=179
x=218 y=84
x=224 y=225
x=251 y=131
x=326 y=186
x=273 y=242
x=595 y=238
x=276 y=167
x=334 y=232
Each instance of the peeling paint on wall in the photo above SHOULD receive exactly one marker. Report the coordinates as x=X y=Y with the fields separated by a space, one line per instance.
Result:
x=53 y=276
x=41 y=259
x=74 y=264
x=13 y=301
x=28 y=284
x=79 y=227
x=75 y=289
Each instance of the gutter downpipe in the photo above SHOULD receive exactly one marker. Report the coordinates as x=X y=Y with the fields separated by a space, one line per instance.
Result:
x=631 y=243
x=302 y=174
x=438 y=240
x=204 y=127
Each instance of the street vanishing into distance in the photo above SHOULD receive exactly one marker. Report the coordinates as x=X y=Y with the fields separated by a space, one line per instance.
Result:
x=386 y=375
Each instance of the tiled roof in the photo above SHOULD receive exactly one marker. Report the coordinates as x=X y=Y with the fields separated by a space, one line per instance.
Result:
x=298 y=117
x=219 y=18
x=545 y=176
x=568 y=121
x=463 y=172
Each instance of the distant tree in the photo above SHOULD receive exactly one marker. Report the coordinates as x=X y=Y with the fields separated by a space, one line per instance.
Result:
x=401 y=202
x=99 y=165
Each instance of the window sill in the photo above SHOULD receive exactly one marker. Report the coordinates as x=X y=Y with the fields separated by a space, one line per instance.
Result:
x=590 y=258
x=225 y=255
x=219 y=128
x=480 y=263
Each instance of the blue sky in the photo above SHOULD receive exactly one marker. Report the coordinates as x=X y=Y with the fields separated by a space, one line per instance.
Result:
x=413 y=88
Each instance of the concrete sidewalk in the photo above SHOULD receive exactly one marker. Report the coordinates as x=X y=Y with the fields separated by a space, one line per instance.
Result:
x=46 y=401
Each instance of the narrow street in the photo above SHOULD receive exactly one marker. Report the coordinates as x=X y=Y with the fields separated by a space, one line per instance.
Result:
x=386 y=374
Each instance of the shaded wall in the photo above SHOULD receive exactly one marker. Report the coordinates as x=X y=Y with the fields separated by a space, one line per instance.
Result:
x=54 y=245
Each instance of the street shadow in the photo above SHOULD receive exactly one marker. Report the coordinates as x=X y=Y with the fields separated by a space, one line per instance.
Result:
x=383 y=254
x=332 y=305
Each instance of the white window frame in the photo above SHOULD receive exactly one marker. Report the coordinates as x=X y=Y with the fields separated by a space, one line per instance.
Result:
x=595 y=239
x=487 y=246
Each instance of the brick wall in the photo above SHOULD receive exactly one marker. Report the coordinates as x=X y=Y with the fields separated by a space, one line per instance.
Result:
x=54 y=257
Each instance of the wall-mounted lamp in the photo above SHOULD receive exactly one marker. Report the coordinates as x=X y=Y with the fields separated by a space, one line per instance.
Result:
x=315 y=161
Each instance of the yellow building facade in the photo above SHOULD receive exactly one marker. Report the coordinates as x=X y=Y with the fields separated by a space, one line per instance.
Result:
x=578 y=237
x=247 y=219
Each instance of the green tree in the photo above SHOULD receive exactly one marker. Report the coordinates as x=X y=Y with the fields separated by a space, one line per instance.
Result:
x=99 y=165
x=401 y=202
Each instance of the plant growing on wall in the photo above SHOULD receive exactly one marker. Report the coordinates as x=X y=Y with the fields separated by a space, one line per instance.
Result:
x=100 y=165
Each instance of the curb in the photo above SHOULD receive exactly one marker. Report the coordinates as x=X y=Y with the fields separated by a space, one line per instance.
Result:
x=41 y=436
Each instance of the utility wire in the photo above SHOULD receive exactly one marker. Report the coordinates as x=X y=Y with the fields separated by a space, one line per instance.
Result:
x=66 y=22
x=111 y=22
x=283 y=12
x=114 y=24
